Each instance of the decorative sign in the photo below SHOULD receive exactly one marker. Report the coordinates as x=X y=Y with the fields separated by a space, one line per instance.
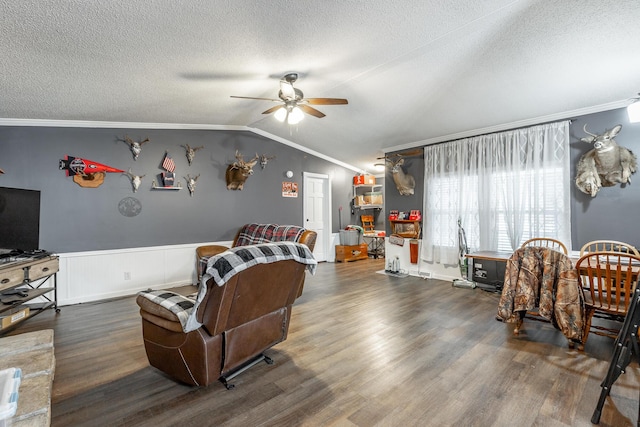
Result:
x=289 y=189
x=130 y=207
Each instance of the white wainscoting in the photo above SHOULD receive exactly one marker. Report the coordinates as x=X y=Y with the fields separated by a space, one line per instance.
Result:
x=98 y=275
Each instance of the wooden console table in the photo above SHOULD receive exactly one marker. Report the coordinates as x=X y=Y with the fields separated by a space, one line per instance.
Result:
x=23 y=280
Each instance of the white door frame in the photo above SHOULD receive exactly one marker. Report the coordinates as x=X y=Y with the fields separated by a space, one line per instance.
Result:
x=326 y=208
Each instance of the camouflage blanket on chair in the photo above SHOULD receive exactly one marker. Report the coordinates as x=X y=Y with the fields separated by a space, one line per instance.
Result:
x=545 y=279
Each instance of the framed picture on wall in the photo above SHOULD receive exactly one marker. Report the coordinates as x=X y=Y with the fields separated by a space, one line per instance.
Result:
x=289 y=189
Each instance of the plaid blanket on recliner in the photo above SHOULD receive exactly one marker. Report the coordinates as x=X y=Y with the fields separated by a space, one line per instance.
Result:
x=223 y=266
x=252 y=234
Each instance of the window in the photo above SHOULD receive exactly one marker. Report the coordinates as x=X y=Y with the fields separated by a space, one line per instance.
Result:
x=505 y=188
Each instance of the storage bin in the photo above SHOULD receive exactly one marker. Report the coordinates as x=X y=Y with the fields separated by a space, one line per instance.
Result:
x=373 y=198
x=9 y=382
x=364 y=180
x=349 y=237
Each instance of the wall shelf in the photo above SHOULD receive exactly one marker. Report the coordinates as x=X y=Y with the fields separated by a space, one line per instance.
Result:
x=359 y=193
x=407 y=228
x=155 y=186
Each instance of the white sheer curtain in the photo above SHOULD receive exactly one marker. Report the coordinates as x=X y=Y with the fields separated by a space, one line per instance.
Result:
x=505 y=187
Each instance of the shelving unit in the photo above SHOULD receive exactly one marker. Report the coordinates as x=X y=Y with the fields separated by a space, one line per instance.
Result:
x=407 y=228
x=24 y=280
x=359 y=192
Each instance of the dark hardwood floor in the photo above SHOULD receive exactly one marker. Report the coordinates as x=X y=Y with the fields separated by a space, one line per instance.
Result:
x=364 y=349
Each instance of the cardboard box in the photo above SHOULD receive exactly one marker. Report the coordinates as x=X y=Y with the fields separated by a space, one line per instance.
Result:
x=364 y=180
x=13 y=316
x=373 y=198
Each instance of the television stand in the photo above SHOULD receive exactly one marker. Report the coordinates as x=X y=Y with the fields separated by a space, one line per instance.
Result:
x=22 y=281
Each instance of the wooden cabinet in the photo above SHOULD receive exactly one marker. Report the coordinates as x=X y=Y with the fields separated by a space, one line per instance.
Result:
x=345 y=253
x=21 y=282
x=407 y=228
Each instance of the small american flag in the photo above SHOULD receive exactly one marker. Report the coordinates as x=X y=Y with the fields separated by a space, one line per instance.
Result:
x=168 y=163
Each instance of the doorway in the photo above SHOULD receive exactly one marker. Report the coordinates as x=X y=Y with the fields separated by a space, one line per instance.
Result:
x=317 y=211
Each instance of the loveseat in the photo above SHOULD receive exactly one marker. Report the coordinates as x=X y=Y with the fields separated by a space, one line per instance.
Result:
x=243 y=307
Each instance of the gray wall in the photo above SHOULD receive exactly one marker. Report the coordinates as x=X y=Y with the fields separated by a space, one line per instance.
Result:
x=75 y=219
x=610 y=215
x=413 y=166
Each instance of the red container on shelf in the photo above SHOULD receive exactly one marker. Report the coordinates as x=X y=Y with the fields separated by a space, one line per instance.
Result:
x=364 y=180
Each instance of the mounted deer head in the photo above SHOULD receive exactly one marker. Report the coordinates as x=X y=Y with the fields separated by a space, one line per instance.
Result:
x=606 y=165
x=264 y=159
x=238 y=172
x=405 y=183
x=191 y=183
x=136 y=146
x=136 y=180
x=191 y=152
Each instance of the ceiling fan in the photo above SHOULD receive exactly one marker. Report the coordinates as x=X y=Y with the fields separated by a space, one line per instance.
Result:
x=293 y=104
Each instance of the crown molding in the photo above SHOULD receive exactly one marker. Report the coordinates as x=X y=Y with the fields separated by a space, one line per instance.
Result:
x=111 y=125
x=514 y=125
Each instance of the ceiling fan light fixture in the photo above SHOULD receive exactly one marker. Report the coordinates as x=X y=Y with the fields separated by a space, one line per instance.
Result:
x=281 y=114
x=295 y=116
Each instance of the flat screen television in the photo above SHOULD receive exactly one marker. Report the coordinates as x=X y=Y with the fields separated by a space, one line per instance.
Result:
x=19 y=219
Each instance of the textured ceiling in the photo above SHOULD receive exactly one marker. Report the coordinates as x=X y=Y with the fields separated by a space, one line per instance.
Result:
x=413 y=71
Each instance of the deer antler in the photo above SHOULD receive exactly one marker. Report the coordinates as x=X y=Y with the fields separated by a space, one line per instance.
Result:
x=587 y=132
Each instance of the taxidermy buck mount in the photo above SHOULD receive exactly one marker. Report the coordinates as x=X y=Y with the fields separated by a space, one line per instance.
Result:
x=191 y=152
x=264 y=159
x=238 y=172
x=136 y=180
x=191 y=183
x=136 y=146
x=405 y=183
x=606 y=165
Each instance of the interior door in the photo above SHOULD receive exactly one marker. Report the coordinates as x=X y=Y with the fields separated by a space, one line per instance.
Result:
x=316 y=211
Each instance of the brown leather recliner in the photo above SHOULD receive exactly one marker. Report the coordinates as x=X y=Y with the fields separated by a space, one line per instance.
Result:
x=252 y=233
x=240 y=319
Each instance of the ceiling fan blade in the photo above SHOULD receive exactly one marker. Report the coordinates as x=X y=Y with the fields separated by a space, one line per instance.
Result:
x=326 y=101
x=260 y=99
x=311 y=111
x=272 y=109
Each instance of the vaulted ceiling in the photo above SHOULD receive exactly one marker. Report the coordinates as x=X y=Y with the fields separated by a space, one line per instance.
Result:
x=414 y=71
